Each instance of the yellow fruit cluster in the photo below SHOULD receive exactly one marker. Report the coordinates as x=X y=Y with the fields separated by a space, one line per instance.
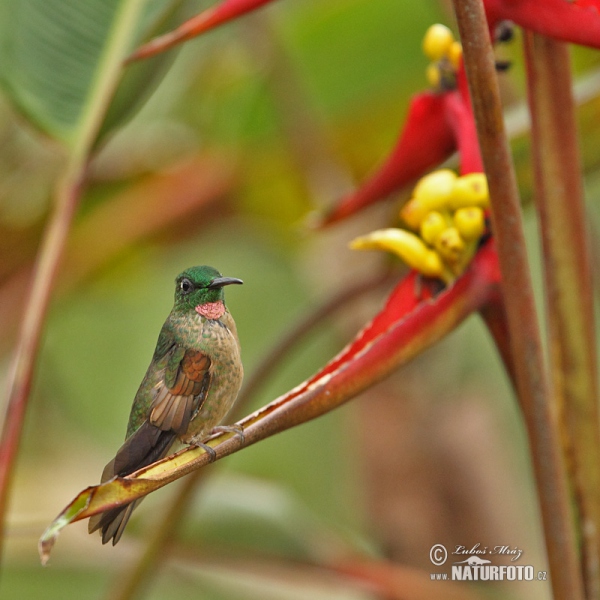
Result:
x=445 y=54
x=447 y=212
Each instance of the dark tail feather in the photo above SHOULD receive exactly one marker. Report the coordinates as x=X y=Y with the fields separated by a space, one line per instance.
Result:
x=147 y=445
x=112 y=522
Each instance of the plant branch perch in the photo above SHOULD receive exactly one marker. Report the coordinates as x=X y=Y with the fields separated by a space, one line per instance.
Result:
x=390 y=340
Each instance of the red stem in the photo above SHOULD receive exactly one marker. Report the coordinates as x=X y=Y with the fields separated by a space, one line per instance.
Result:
x=212 y=17
x=568 y=288
x=23 y=363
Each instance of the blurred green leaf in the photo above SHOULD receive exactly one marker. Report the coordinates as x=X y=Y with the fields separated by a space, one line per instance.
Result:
x=60 y=60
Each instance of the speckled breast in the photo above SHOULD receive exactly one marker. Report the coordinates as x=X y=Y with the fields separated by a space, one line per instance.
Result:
x=219 y=341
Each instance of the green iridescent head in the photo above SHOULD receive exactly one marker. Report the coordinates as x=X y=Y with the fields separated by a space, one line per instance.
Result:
x=197 y=286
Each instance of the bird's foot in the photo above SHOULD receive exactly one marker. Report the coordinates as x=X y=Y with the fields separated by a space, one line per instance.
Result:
x=212 y=455
x=235 y=429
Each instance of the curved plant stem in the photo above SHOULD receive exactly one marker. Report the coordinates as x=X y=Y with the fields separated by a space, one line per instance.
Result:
x=416 y=315
x=568 y=287
x=131 y=583
x=532 y=382
x=22 y=366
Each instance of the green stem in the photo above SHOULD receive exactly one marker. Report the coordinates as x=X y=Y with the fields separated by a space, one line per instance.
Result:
x=532 y=381
x=568 y=287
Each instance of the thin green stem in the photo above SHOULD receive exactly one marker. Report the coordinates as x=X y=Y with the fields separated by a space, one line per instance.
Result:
x=532 y=381
x=568 y=287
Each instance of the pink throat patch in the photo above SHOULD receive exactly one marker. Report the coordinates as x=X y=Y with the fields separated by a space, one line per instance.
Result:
x=211 y=310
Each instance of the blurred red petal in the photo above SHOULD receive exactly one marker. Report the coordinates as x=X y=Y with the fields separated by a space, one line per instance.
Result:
x=577 y=22
x=425 y=141
x=208 y=19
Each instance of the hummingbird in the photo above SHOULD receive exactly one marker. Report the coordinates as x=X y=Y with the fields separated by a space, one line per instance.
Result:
x=190 y=386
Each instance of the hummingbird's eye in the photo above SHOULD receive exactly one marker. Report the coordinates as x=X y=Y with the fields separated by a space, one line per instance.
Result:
x=186 y=286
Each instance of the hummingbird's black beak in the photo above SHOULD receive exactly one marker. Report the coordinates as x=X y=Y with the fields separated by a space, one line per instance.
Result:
x=221 y=281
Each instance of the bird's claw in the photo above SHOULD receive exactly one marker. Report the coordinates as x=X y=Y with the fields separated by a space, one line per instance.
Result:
x=212 y=455
x=236 y=429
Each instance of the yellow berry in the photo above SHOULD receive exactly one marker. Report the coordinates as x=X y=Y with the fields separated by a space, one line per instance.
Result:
x=432 y=192
x=470 y=190
x=413 y=212
x=450 y=245
x=437 y=41
x=432 y=226
x=410 y=248
x=455 y=54
x=470 y=222
x=433 y=75
x=436 y=188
